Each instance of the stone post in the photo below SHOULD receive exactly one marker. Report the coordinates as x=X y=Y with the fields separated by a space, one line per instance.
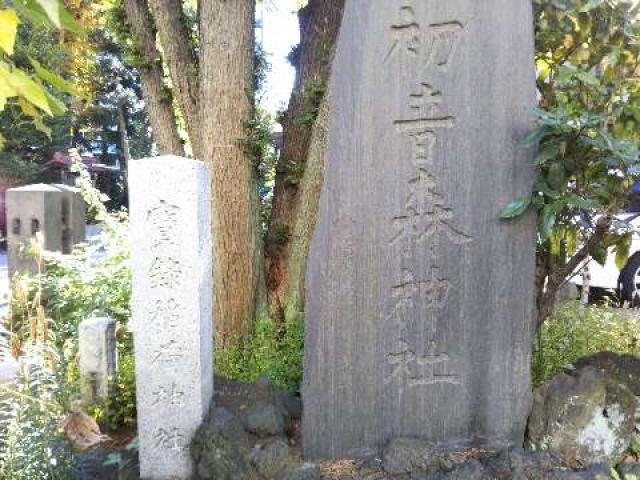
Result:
x=419 y=299
x=97 y=344
x=172 y=309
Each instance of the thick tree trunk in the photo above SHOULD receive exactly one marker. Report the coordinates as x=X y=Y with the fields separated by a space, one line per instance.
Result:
x=226 y=78
x=181 y=59
x=156 y=96
x=295 y=196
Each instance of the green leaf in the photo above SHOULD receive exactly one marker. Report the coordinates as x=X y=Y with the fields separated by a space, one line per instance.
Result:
x=52 y=9
x=2 y=142
x=54 y=80
x=28 y=89
x=622 y=250
x=516 y=208
x=8 y=29
x=56 y=105
x=546 y=222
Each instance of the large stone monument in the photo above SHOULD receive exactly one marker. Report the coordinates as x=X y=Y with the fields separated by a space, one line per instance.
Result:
x=419 y=298
x=172 y=309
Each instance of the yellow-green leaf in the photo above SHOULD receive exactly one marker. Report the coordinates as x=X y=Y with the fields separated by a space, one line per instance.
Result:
x=57 y=107
x=29 y=89
x=2 y=142
x=40 y=126
x=53 y=79
x=52 y=9
x=28 y=109
x=8 y=29
x=6 y=90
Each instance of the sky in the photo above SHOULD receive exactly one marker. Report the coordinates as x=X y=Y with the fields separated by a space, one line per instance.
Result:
x=279 y=34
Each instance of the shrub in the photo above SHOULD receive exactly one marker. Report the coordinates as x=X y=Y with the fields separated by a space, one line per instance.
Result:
x=274 y=350
x=573 y=332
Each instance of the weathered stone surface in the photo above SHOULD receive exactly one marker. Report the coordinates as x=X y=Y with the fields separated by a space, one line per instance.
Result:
x=221 y=449
x=583 y=419
x=623 y=368
x=56 y=212
x=32 y=210
x=74 y=217
x=98 y=357
x=274 y=460
x=172 y=314
x=265 y=420
x=419 y=298
x=308 y=471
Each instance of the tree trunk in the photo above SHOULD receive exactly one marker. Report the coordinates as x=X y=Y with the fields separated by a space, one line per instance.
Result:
x=555 y=277
x=295 y=197
x=124 y=146
x=156 y=96
x=180 y=57
x=226 y=79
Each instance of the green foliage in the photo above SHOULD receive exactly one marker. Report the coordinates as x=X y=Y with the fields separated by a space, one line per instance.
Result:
x=312 y=98
x=573 y=332
x=274 y=350
x=120 y=407
x=18 y=84
x=587 y=131
x=32 y=443
x=96 y=278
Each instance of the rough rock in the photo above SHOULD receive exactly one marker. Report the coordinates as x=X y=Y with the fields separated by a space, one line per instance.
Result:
x=308 y=471
x=265 y=420
x=412 y=455
x=519 y=464
x=221 y=449
x=274 y=459
x=583 y=419
x=472 y=470
x=622 y=368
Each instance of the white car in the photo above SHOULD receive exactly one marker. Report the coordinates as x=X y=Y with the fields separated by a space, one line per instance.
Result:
x=627 y=280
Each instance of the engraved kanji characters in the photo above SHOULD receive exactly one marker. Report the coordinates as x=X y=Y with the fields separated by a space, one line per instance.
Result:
x=426 y=218
x=163 y=220
x=418 y=370
x=170 y=439
x=170 y=395
x=168 y=352
x=165 y=312
x=165 y=271
x=434 y=46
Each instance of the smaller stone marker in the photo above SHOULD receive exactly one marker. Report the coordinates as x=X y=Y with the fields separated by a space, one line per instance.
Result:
x=97 y=339
x=172 y=309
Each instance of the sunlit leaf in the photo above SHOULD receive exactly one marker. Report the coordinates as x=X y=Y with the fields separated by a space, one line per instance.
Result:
x=8 y=29
x=622 y=249
x=52 y=9
x=54 y=80
x=28 y=89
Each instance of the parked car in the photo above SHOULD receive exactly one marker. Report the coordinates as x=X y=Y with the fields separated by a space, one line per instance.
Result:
x=626 y=281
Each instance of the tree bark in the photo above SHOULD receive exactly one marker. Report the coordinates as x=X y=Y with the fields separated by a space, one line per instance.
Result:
x=226 y=78
x=182 y=62
x=156 y=95
x=295 y=197
x=546 y=299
